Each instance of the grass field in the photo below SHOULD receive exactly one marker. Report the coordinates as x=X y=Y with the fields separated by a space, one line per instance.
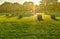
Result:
x=54 y=13
x=29 y=28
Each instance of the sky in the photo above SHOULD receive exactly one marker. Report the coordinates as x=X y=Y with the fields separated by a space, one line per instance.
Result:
x=21 y=1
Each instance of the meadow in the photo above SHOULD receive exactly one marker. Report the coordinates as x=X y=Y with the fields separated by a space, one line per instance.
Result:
x=57 y=14
x=29 y=27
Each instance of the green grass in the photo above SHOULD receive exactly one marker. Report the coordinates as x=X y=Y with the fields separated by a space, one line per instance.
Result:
x=29 y=28
x=25 y=14
x=54 y=13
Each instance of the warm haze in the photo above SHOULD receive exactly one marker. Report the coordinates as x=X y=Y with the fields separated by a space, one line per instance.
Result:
x=20 y=1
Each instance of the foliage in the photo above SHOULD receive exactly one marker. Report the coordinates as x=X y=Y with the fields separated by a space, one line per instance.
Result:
x=50 y=6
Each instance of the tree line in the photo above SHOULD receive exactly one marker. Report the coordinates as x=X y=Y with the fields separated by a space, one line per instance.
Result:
x=29 y=6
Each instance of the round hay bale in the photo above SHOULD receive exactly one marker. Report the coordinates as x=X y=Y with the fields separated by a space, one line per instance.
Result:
x=7 y=14
x=39 y=17
x=53 y=17
x=20 y=16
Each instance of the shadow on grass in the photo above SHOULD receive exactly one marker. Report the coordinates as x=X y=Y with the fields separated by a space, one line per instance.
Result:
x=40 y=20
x=56 y=19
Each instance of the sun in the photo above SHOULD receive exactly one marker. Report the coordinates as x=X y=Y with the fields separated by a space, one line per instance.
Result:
x=36 y=1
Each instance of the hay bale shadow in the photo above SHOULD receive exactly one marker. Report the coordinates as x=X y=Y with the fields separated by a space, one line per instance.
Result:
x=54 y=18
x=57 y=19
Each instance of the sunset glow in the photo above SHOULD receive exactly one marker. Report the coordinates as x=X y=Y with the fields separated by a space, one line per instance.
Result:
x=20 y=1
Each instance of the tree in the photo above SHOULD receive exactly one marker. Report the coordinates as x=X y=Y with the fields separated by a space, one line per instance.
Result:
x=11 y=7
x=28 y=5
x=49 y=6
x=5 y=7
x=49 y=2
